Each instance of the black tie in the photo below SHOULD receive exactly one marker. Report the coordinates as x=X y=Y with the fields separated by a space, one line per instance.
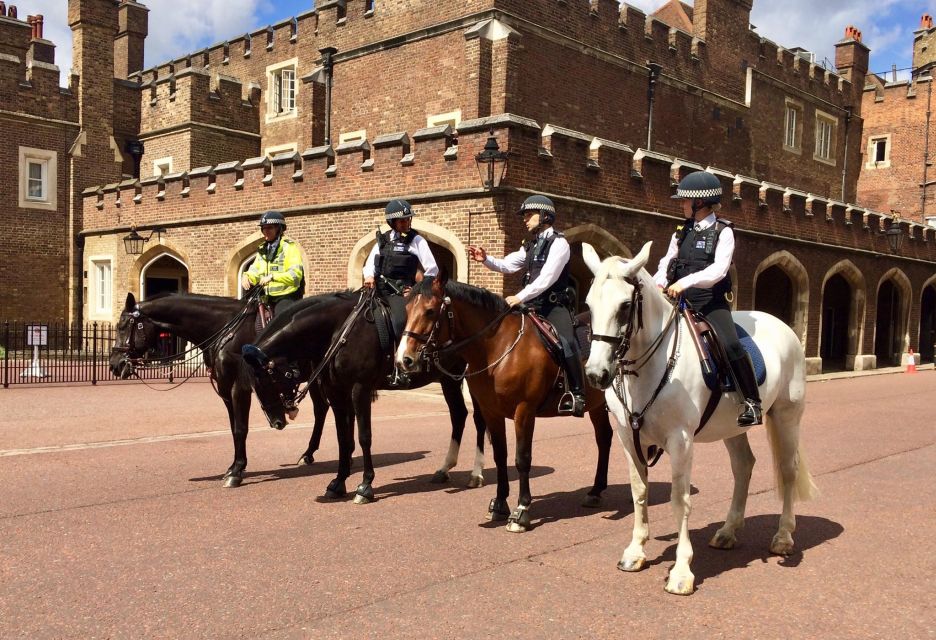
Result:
x=698 y=227
x=538 y=247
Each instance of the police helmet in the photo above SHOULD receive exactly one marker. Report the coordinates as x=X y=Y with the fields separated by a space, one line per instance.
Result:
x=700 y=185
x=273 y=217
x=541 y=205
x=398 y=209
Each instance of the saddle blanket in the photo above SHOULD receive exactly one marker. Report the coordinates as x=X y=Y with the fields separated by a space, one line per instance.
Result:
x=757 y=359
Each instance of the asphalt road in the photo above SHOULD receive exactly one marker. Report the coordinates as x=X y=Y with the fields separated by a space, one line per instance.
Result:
x=114 y=524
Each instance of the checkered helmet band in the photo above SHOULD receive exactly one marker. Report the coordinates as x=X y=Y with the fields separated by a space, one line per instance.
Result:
x=397 y=209
x=700 y=185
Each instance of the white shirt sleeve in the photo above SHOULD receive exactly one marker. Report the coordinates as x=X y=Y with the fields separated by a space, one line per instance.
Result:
x=559 y=254
x=368 y=269
x=716 y=271
x=660 y=276
x=420 y=247
x=511 y=263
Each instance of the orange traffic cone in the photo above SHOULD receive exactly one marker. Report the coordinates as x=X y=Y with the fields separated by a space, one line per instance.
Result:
x=911 y=361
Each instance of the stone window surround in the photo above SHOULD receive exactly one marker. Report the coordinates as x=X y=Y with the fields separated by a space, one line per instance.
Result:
x=833 y=122
x=885 y=163
x=271 y=72
x=452 y=118
x=96 y=310
x=162 y=162
x=50 y=160
x=795 y=106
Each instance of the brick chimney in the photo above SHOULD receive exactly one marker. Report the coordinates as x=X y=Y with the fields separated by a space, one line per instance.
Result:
x=132 y=27
x=14 y=36
x=924 y=45
x=40 y=49
x=851 y=62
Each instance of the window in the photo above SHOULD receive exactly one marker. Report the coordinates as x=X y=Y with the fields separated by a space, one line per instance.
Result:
x=792 y=126
x=38 y=174
x=281 y=90
x=101 y=276
x=879 y=148
x=162 y=167
x=825 y=137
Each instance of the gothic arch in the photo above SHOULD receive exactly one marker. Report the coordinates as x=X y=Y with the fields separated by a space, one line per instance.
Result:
x=241 y=252
x=139 y=266
x=901 y=327
x=856 y=325
x=604 y=243
x=429 y=230
x=797 y=273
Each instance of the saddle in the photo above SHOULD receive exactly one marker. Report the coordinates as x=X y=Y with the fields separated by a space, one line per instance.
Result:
x=716 y=371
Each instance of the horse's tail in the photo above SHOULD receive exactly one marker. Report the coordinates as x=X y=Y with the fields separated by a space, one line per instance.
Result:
x=783 y=443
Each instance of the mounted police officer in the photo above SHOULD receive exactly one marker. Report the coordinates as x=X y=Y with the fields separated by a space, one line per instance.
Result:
x=696 y=266
x=278 y=265
x=546 y=287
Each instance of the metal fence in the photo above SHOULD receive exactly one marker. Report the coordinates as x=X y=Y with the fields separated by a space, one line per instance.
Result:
x=55 y=352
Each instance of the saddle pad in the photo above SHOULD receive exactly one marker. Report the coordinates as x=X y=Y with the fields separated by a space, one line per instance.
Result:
x=757 y=359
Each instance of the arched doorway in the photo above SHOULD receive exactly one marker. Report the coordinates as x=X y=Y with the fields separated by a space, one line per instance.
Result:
x=773 y=294
x=886 y=327
x=836 y=311
x=927 y=323
x=604 y=244
x=165 y=274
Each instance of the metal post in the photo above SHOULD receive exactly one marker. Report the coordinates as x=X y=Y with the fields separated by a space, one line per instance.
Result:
x=6 y=354
x=94 y=361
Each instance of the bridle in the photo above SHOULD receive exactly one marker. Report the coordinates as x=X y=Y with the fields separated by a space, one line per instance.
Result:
x=621 y=342
x=134 y=352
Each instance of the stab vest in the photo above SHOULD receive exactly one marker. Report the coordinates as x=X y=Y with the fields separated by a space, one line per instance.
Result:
x=557 y=293
x=394 y=261
x=696 y=252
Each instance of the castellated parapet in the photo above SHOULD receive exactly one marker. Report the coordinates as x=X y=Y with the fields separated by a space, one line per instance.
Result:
x=429 y=165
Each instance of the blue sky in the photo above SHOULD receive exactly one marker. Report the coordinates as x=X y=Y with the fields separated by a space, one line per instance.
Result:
x=177 y=27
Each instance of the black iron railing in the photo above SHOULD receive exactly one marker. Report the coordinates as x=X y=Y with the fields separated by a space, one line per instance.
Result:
x=55 y=352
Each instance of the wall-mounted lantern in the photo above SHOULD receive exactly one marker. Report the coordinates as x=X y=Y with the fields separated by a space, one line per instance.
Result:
x=492 y=163
x=133 y=242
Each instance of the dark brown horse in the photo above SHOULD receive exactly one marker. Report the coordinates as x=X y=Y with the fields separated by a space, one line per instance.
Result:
x=220 y=326
x=510 y=373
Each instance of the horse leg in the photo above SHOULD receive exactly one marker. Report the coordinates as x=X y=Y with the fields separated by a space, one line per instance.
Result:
x=524 y=423
x=498 y=510
x=793 y=478
x=361 y=397
x=635 y=558
x=320 y=410
x=679 y=446
x=458 y=414
x=477 y=471
x=742 y=463
x=604 y=434
x=237 y=402
x=344 y=424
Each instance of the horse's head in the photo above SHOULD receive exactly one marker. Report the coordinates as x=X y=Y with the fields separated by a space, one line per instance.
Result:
x=613 y=300
x=136 y=335
x=276 y=383
x=425 y=310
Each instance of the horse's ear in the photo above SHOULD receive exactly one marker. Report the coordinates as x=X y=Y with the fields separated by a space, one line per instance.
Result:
x=590 y=256
x=439 y=282
x=639 y=261
x=130 y=305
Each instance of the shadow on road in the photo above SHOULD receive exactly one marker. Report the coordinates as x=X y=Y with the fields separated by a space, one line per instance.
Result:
x=753 y=544
x=616 y=503
x=457 y=483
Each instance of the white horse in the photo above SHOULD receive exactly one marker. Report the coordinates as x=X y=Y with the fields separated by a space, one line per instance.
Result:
x=622 y=296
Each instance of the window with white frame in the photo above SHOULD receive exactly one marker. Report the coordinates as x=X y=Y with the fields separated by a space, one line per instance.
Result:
x=825 y=137
x=162 y=167
x=281 y=90
x=879 y=148
x=101 y=286
x=792 y=126
x=38 y=171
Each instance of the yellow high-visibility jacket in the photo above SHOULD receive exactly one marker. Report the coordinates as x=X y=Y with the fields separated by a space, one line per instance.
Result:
x=285 y=267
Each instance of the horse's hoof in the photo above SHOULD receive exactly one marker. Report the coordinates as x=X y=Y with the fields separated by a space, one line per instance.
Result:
x=305 y=461
x=475 y=482
x=781 y=545
x=519 y=520
x=723 y=541
x=516 y=527
x=364 y=494
x=632 y=565
x=498 y=511
x=592 y=502
x=440 y=477
x=232 y=481
x=681 y=586
x=359 y=499
x=335 y=490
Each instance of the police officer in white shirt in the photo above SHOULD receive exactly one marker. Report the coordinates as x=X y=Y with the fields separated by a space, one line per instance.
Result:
x=546 y=287
x=696 y=266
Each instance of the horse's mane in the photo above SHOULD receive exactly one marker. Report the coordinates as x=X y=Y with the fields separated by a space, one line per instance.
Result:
x=282 y=318
x=198 y=297
x=466 y=293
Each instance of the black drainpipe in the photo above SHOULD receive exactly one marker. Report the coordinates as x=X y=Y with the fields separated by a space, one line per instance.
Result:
x=929 y=98
x=328 y=64
x=848 y=117
x=655 y=70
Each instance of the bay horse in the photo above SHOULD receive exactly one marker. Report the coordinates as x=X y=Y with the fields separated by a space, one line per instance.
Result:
x=343 y=347
x=664 y=404
x=222 y=326
x=510 y=373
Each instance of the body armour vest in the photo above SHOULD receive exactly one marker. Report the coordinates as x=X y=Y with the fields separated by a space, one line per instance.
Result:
x=557 y=293
x=395 y=262
x=696 y=252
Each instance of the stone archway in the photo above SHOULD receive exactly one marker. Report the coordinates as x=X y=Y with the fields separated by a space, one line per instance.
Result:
x=841 y=327
x=447 y=249
x=605 y=244
x=781 y=288
x=927 y=335
x=892 y=318
x=160 y=263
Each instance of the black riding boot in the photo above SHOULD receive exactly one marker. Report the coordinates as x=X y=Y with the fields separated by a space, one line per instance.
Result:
x=747 y=383
x=573 y=400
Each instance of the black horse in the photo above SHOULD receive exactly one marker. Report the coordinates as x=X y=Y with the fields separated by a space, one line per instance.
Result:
x=355 y=366
x=221 y=326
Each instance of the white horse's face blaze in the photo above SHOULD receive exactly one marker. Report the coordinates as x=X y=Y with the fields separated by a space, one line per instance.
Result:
x=421 y=314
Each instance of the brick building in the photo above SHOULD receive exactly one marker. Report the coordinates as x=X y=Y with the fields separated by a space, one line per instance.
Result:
x=328 y=115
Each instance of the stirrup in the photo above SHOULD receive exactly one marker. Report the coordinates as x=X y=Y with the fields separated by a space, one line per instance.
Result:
x=751 y=415
x=572 y=403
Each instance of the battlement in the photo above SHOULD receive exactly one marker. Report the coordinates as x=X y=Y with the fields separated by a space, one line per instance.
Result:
x=430 y=163
x=782 y=64
x=887 y=92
